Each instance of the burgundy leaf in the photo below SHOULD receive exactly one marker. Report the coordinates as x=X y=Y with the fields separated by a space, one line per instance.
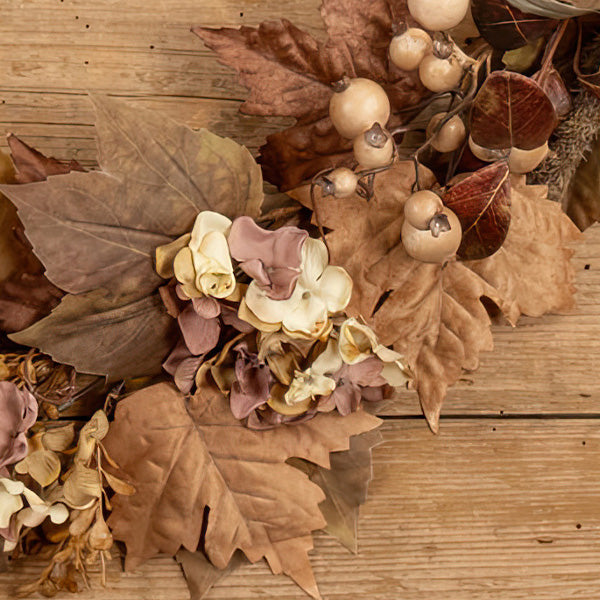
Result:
x=506 y=27
x=553 y=84
x=482 y=204
x=512 y=110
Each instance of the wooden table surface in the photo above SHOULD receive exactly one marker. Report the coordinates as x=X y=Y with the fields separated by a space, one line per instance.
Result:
x=505 y=503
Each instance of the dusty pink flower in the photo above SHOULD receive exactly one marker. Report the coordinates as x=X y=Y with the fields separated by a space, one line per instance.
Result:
x=18 y=412
x=272 y=258
x=252 y=385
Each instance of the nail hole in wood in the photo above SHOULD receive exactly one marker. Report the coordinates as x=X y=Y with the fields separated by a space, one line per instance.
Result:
x=578 y=526
x=587 y=267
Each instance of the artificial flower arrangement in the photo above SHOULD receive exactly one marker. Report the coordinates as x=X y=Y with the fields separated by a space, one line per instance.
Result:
x=235 y=354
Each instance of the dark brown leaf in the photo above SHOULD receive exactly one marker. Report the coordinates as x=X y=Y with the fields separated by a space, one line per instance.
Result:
x=512 y=110
x=553 y=84
x=289 y=73
x=506 y=27
x=482 y=204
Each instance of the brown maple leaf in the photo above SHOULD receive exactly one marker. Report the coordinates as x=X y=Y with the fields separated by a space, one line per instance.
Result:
x=289 y=73
x=432 y=314
x=96 y=234
x=191 y=455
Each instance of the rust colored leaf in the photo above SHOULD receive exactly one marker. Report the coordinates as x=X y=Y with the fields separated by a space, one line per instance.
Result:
x=506 y=27
x=512 y=110
x=434 y=316
x=192 y=455
x=289 y=73
x=345 y=485
x=482 y=204
x=99 y=230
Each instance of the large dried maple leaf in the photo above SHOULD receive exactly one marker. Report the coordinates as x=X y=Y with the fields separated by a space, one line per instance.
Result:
x=191 y=454
x=289 y=73
x=96 y=234
x=434 y=315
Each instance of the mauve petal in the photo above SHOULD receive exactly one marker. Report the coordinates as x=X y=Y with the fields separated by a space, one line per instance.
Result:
x=206 y=307
x=231 y=319
x=373 y=394
x=200 y=335
x=253 y=384
x=347 y=398
x=185 y=373
x=366 y=373
x=177 y=356
x=18 y=412
x=272 y=258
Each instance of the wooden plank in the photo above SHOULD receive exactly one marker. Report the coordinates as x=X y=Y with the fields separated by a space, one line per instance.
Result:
x=160 y=578
x=488 y=509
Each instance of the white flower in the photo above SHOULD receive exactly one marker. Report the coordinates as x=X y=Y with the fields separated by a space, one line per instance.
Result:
x=204 y=267
x=321 y=290
x=357 y=342
x=308 y=385
x=10 y=499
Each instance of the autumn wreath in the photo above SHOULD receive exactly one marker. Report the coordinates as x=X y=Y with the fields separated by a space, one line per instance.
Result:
x=236 y=341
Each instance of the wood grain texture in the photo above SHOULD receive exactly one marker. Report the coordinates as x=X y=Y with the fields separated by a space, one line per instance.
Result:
x=493 y=508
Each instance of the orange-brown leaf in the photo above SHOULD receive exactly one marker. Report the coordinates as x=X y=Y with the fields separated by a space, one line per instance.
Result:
x=190 y=454
x=434 y=315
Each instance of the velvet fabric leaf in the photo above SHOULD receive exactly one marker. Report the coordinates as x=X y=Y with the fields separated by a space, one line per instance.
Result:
x=272 y=258
x=100 y=230
x=201 y=335
x=18 y=412
x=435 y=316
x=289 y=73
x=193 y=454
x=252 y=385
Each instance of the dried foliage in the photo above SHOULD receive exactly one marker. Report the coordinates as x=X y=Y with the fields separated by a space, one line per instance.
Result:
x=433 y=314
x=289 y=73
x=192 y=454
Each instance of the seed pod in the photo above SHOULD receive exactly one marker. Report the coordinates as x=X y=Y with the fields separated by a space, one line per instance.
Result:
x=451 y=135
x=438 y=15
x=440 y=74
x=438 y=243
x=525 y=161
x=408 y=49
x=374 y=148
x=421 y=207
x=488 y=154
x=341 y=183
x=356 y=105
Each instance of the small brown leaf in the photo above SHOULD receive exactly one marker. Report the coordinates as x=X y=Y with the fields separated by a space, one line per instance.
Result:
x=512 y=110
x=200 y=574
x=192 y=454
x=345 y=486
x=482 y=204
x=506 y=27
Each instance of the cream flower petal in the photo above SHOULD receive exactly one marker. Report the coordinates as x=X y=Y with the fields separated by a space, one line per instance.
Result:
x=245 y=314
x=356 y=341
x=12 y=486
x=183 y=267
x=315 y=259
x=307 y=385
x=267 y=310
x=9 y=505
x=329 y=361
x=307 y=315
x=207 y=222
x=395 y=374
x=212 y=263
x=31 y=517
x=165 y=256
x=59 y=513
x=335 y=287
